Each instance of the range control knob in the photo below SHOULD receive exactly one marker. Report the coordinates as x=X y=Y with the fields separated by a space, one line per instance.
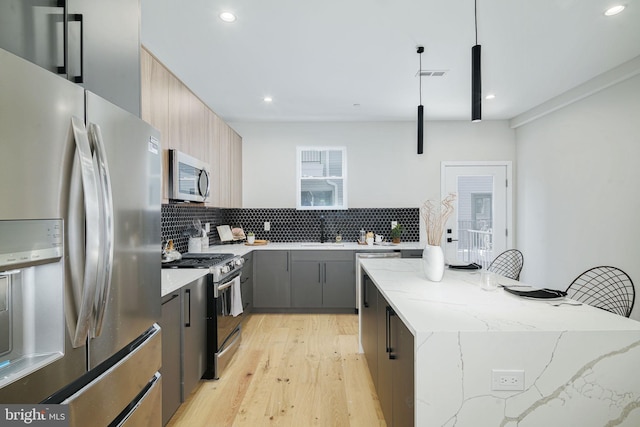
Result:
x=239 y=261
x=224 y=269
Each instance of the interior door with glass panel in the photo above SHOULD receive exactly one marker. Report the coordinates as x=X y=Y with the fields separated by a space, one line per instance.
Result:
x=478 y=229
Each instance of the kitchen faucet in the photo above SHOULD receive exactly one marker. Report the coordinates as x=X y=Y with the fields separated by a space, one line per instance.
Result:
x=322 y=238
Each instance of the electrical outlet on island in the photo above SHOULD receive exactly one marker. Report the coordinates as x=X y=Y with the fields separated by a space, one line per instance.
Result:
x=507 y=379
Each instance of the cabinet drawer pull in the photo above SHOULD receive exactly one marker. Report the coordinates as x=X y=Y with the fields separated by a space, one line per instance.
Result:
x=365 y=300
x=63 y=4
x=188 y=322
x=387 y=323
x=77 y=17
x=390 y=312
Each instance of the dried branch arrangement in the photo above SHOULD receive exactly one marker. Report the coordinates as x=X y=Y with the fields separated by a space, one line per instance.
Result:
x=435 y=218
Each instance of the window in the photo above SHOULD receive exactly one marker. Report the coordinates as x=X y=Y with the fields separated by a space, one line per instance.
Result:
x=322 y=178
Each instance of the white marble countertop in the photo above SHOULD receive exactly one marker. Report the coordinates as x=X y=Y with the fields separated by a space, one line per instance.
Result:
x=241 y=248
x=577 y=363
x=173 y=279
x=457 y=303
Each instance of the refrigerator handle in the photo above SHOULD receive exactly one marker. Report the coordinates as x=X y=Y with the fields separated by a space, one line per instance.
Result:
x=106 y=227
x=87 y=289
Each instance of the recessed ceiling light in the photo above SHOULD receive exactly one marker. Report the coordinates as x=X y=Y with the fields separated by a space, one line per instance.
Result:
x=614 y=10
x=267 y=99
x=227 y=16
x=490 y=96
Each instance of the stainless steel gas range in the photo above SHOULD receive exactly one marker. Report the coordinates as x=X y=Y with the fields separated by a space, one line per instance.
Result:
x=224 y=305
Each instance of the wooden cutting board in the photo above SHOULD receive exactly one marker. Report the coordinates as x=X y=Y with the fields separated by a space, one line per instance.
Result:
x=257 y=242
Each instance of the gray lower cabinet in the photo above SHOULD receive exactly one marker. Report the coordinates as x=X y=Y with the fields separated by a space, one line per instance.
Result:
x=271 y=281
x=170 y=371
x=385 y=365
x=322 y=279
x=306 y=277
x=339 y=287
x=183 y=326
x=194 y=334
x=389 y=350
x=246 y=283
x=402 y=351
x=91 y=42
x=369 y=313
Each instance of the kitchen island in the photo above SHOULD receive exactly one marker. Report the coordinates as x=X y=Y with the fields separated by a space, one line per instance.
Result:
x=579 y=363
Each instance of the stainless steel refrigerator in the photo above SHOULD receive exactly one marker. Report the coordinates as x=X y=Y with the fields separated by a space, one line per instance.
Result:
x=80 y=182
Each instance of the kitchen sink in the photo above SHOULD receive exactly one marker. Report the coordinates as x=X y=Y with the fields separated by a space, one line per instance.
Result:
x=320 y=245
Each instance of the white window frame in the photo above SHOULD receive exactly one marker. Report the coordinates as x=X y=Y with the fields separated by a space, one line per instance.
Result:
x=299 y=177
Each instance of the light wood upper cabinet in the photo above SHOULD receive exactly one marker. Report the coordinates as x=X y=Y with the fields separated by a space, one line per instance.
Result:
x=179 y=116
x=236 y=170
x=155 y=106
x=188 y=125
x=224 y=164
x=211 y=135
x=198 y=145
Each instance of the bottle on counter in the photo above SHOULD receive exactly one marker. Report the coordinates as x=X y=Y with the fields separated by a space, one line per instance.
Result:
x=363 y=236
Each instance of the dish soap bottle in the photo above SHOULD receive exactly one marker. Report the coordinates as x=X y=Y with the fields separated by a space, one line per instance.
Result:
x=363 y=236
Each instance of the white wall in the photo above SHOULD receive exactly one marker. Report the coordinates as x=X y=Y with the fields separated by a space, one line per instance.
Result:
x=383 y=167
x=578 y=192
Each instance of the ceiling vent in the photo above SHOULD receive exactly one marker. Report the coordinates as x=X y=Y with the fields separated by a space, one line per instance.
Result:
x=432 y=73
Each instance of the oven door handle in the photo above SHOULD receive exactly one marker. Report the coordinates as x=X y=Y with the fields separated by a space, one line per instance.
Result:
x=217 y=289
x=225 y=286
x=228 y=284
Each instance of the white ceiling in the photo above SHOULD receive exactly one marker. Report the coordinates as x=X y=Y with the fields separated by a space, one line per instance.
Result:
x=318 y=59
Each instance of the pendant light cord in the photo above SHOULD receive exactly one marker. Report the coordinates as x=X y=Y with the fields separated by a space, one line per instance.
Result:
x=420 y=80
x=475 y=15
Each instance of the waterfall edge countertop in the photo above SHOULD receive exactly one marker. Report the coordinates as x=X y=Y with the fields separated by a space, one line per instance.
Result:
x=579 y=363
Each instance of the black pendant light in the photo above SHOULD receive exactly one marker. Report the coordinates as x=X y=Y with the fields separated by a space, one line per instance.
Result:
x=420 y=107
x=476 y=79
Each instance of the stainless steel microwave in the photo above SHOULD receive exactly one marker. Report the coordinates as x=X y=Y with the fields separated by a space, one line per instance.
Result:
x=188 y=177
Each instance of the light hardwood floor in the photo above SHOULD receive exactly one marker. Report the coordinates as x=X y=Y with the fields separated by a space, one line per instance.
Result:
x=291 y=370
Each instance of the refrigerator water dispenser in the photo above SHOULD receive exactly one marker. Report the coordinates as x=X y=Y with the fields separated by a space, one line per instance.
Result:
x=5 y=317
x=31 y=296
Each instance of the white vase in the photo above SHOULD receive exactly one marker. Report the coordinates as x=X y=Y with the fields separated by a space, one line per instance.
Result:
x=433 y=263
